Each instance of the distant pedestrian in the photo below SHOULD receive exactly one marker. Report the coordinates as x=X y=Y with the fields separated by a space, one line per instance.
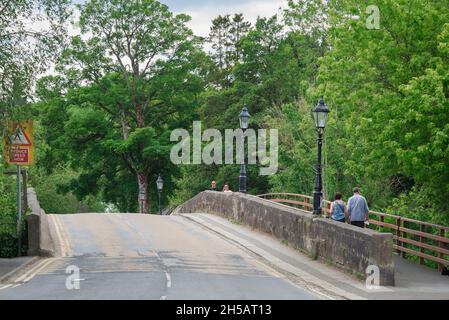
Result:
x=358 y=209
x=213 y=186
x=226 y=188
x=338 y=209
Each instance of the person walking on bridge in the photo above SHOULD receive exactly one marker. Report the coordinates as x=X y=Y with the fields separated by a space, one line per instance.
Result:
x=338 y=209
x=213 y=186
x=358 y=209
x=226 y=188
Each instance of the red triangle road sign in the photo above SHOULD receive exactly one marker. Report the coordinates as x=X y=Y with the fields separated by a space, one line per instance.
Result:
x=20 y=138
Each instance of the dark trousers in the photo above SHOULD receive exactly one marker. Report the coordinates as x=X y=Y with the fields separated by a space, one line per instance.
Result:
x=360 y=224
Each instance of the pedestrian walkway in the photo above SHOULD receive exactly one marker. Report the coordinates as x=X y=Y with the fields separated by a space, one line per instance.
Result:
x=412 y=281
x=417 y=278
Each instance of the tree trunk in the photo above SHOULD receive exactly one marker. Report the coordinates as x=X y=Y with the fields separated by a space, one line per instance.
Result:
x=144 y=198
x=125 y=128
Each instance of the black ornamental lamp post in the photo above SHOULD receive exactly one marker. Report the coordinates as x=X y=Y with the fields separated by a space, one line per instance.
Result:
x=160 y=186
x=244 y=124
x=320 y=114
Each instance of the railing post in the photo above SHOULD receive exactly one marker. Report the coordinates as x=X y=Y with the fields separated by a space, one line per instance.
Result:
x=306 y=207
x=440 y=255
x=398 y=234
x=398 y=224
x=404 y=235
x=422 y=228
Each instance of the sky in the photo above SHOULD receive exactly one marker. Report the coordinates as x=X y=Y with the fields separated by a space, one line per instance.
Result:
x=203 y=11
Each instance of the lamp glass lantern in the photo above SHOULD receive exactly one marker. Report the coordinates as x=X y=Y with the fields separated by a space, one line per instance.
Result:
x=159 y=183
x=244 y=118
x=320 y=114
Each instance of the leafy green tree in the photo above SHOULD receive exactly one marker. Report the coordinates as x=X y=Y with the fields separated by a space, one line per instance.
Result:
x=273 y=73
x=310 y=17
x=54 y=199
x=389 y=88
x=225 y=37
x=8 y=214
x=8 y=197
x=26 y=49
x=140 y=68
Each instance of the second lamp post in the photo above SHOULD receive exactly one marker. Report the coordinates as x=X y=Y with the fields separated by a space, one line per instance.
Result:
x=244 y=124
x=160 y=186
x=320 y=113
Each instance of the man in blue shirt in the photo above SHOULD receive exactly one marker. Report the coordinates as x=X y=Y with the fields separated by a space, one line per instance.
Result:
x=358 y=209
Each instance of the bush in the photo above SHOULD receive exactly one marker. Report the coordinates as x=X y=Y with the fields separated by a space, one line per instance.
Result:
x=53 y=197
x=8 y=218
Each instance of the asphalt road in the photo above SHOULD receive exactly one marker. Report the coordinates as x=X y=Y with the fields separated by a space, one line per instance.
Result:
x=130 y=256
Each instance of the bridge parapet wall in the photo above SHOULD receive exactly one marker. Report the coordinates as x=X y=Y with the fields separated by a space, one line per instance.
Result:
x=347 y=247
x=39 y=237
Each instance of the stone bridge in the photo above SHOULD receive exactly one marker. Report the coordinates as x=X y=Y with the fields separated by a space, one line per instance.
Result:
x=214 y=246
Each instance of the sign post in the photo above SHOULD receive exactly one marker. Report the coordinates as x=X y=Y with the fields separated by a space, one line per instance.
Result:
x=19 y=150
x=19 y=211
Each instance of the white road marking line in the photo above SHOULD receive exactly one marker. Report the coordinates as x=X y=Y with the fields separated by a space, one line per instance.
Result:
x=320 y=294
x=15 y=286
x=133 y=227
x=6 y=287
x=117 y=271
x=168 y=280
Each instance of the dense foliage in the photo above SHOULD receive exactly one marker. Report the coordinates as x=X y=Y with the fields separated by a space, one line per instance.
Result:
x=106 y=113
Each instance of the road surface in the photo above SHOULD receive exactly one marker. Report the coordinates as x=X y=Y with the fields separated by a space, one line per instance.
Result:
x=132 y=256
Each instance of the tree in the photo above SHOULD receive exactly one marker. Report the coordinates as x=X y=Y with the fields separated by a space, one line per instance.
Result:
x=25 y=48
x=388 y=92
x=271 y=78
x=225 y=37
x=140 y=71
x=310 y=17
x=239 y=28
x=53 y=199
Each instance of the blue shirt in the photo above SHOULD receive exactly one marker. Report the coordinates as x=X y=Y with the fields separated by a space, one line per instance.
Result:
x=357 y=208
x=338 y=212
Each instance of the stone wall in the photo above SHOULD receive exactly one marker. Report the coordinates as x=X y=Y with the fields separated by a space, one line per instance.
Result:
x=344 y=246
x=40 y=242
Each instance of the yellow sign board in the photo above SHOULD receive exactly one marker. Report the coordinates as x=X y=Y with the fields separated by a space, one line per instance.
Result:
x=19 y=143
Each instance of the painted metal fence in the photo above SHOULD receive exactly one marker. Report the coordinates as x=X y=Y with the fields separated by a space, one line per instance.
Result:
x=413 y=239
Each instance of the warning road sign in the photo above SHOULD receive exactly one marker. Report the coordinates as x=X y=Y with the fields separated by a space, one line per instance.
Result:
x=19 y=137
x=19 y=155
x=19 y=144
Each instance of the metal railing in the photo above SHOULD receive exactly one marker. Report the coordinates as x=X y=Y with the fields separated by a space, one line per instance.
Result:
x=412 y=238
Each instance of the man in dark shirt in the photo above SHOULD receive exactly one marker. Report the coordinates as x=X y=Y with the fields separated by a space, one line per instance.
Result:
x=213 y=186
